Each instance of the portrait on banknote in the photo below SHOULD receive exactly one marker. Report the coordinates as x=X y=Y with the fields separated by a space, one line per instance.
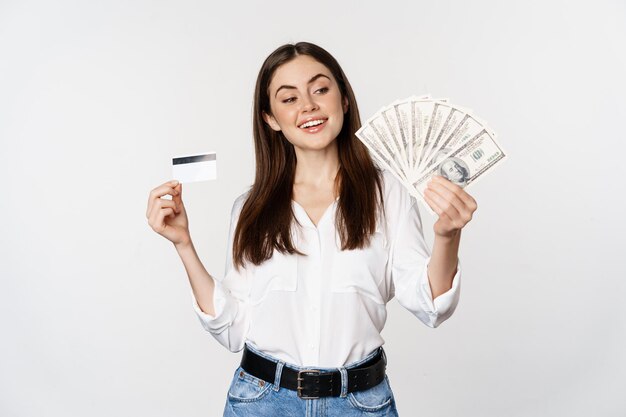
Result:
x=455 y=170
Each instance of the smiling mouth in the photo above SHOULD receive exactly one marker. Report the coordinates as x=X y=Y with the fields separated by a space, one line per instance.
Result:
x=312 y=123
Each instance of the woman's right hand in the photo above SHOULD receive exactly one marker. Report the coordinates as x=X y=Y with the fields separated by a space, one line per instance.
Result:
x=168 y=217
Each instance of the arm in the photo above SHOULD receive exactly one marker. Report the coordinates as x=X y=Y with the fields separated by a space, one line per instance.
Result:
x=428 y=285
x=443 y=263
x=221 y=305
x=169 y=219
x=202 y=284
x=455 y=209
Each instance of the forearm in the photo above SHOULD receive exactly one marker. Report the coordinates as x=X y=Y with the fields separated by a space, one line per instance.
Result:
x=202 y=284
x=443 y=263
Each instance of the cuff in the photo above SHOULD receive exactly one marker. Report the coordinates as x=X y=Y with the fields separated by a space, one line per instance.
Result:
x=224 y=312
x=442 y=307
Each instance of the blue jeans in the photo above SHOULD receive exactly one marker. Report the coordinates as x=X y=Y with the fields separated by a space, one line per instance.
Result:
x=249 y=396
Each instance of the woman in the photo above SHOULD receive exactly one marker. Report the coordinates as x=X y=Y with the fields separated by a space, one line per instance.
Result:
x=317 y=247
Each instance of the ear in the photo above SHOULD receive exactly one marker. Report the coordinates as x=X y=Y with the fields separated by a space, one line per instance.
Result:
x=345 y=105
x=269 y=119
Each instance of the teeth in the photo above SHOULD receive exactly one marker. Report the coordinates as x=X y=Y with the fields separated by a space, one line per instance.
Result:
x=311 y=123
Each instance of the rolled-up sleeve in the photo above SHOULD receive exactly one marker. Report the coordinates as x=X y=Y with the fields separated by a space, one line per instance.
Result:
x=410 y=257
x=230 y=323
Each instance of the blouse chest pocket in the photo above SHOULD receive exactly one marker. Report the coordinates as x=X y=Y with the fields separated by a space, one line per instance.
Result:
x=362 y=270
x=279 y=273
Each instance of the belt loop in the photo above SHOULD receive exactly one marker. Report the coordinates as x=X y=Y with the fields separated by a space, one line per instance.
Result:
x=344 y=382
x=279 y=372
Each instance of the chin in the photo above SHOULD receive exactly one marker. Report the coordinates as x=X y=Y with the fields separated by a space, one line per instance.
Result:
x=311 y=142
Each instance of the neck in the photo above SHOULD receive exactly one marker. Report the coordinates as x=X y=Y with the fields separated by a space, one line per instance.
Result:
x=318 y=167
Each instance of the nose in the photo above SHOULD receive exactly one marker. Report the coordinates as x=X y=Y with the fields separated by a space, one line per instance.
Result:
x=308 y=104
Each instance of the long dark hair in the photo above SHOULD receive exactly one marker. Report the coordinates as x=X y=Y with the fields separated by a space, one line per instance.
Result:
x=267 y=216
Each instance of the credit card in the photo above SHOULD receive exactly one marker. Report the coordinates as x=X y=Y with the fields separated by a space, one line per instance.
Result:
x=194 y=168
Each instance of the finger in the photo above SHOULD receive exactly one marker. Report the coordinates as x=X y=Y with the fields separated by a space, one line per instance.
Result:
x=162 y=214
x=456 y=219
x=163 y=203
x=433 y=205
x=158 y=192
x=168 y=212
x=466 y=207
x=445 y=205
x=449 y=196
x=442 y=214
x=157 y=222
x=460 y=192
x=160 y=205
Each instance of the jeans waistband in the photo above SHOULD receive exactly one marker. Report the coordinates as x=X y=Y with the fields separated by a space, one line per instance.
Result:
x=265 y=373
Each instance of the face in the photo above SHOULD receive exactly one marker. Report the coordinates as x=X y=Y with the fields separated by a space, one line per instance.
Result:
x=306 y=104
x=453 y=171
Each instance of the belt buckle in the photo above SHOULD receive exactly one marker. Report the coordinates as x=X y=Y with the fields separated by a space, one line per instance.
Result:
x=300 y=379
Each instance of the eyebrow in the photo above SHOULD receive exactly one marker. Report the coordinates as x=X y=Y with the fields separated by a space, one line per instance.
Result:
x=315 y=77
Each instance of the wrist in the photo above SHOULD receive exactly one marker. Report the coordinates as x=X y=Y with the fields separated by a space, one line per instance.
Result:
x=184 y=244
x=448 y=237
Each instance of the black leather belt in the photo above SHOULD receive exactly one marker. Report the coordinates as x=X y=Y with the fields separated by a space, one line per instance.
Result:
x=313 y=383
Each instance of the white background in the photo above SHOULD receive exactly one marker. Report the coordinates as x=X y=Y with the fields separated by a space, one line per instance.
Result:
x=96 y=97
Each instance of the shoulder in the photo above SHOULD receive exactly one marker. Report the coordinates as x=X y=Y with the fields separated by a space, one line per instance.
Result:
x=238 y=205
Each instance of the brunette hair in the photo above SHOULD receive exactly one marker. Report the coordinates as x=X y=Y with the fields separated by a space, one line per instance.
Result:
x=266 y=217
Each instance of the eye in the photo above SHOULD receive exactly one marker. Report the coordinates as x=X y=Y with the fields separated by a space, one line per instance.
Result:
x=289 y=100
x=322 y=90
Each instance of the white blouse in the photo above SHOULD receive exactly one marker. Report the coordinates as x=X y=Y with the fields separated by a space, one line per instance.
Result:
x=327 y=309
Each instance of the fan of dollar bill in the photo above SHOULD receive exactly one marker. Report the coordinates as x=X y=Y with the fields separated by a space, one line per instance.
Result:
x=419 y=137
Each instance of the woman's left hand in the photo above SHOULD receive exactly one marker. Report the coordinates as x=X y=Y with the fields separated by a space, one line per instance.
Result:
x=452 y=204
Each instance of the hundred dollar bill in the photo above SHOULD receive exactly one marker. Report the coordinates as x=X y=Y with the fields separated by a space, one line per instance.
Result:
x=394 y=127
x=421 y=112
x=381 y=153
x=467 y=163
x=432 y=124
x=466 y=129
x=454 y=116
x=437 y=121
x=411 y=129
x=402 y=111
x=381 y=128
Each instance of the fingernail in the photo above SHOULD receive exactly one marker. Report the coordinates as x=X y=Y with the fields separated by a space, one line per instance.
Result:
x=174 y=183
